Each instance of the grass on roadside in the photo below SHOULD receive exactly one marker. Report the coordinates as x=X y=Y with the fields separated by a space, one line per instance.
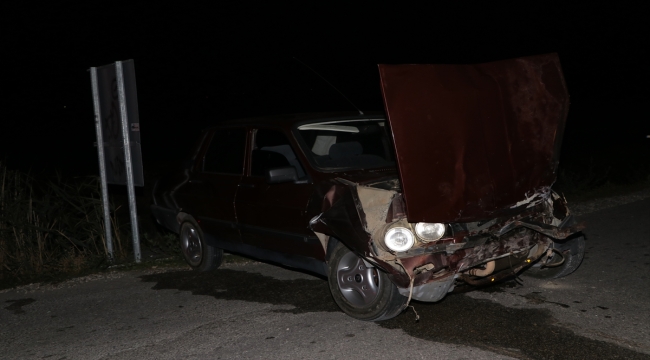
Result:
x=52 y=228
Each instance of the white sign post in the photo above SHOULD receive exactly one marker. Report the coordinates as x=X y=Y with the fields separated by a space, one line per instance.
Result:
x=102 y=164
x=118 y=139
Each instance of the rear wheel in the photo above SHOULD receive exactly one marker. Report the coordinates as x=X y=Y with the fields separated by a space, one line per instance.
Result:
x=200 y=255
x=363 y=292
x=565 y=259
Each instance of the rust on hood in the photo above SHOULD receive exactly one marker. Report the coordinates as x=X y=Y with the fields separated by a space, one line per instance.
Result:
x=474 y=141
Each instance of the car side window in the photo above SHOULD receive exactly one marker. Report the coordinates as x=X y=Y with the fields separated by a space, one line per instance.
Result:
x=273 y=150
x=226 y=152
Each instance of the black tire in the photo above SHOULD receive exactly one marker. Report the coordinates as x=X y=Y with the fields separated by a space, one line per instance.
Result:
x=200 y=255
x=361 y=292
x=573 y=251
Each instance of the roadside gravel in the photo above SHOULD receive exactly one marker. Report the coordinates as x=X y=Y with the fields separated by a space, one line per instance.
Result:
x=585 y=207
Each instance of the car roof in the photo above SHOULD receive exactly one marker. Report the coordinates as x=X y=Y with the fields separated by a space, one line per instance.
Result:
x=287 y=120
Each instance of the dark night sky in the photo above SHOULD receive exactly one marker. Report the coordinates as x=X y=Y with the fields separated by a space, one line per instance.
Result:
x=197 y=66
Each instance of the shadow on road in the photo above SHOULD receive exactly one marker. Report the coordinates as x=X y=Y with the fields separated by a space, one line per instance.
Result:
x=458 y=319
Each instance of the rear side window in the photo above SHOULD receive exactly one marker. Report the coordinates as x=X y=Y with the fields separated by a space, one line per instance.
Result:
x=226 y=152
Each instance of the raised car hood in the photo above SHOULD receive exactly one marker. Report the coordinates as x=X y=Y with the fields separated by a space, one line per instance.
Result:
x=474 y=141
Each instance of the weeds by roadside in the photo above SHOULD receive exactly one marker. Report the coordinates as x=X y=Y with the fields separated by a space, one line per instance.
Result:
x=49 y=226
x=588 y=180
x=596 y=169
x=54 y=227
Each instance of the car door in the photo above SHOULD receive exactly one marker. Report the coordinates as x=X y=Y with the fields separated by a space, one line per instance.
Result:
x=273 y=216
x=222 y=168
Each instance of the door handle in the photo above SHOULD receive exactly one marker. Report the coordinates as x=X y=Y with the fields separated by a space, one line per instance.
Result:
x=246 y=185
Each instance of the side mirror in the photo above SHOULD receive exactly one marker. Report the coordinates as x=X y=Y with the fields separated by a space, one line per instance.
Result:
x=281 y=175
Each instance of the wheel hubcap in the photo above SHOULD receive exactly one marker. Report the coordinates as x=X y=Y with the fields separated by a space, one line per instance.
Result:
x=358 y=283
x=191 y=246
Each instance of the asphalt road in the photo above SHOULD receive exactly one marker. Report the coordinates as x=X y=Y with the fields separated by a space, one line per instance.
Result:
x=261 y=311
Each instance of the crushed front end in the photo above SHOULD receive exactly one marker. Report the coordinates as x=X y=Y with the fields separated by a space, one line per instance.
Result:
x=426 y=260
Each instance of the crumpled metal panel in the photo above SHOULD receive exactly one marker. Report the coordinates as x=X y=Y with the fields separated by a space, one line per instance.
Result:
x=343 y=217
x=475 y=140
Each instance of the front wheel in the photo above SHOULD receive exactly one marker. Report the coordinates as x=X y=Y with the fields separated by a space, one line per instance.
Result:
x=200 y=255
x=365 y=293
x=564 y=260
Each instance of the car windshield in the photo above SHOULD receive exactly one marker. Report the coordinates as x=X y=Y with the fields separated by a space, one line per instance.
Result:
x=349 y=144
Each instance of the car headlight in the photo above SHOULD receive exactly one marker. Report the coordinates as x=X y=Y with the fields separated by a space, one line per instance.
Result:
x=399 y=239
x=430 y=231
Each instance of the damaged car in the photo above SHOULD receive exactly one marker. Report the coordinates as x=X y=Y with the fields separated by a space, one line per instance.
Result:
x=451 y=185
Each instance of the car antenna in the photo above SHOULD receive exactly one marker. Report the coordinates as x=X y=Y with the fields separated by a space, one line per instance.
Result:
x=330 y=84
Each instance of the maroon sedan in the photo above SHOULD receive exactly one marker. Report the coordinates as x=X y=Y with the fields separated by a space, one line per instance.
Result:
x=452 y=185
